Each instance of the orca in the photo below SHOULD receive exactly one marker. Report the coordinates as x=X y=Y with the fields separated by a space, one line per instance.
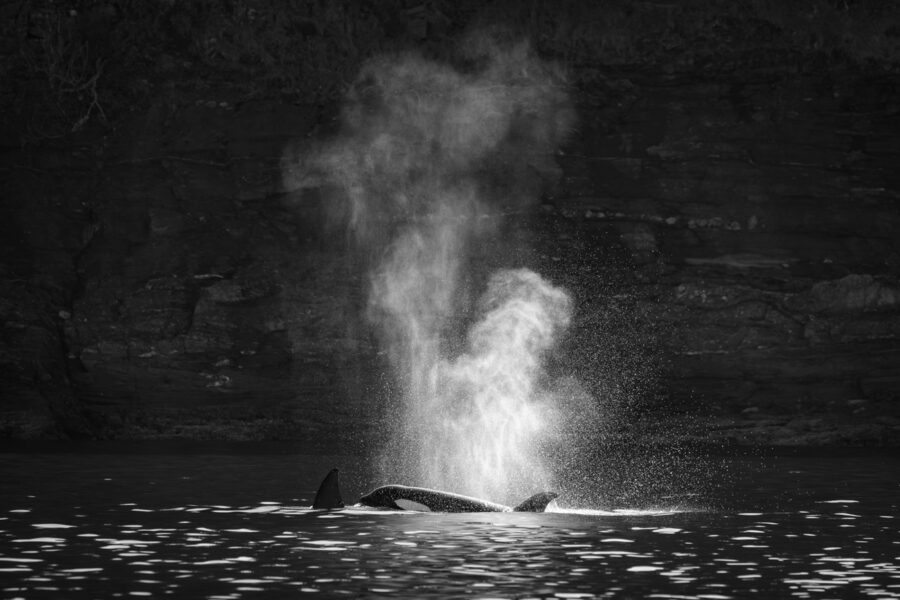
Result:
x=401 y=497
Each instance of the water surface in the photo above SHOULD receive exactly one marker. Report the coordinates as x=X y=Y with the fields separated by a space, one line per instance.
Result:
x=107 y=525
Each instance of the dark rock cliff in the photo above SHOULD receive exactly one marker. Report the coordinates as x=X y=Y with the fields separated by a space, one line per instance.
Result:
x=728 y=231
x=759 y=212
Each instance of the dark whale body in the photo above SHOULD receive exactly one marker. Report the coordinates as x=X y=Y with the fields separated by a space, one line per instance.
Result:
x=393 y=496
x=388 y=496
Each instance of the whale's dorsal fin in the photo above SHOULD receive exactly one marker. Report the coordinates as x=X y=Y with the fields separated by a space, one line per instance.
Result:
x=537 y=503
x=329 y=494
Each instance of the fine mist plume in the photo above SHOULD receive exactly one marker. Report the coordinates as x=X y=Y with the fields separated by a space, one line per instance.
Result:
x=486 y=404
x=429 y=159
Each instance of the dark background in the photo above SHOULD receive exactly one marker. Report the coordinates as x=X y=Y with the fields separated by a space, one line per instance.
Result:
x=725 y=214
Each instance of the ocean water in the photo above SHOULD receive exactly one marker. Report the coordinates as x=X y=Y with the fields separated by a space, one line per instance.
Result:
x=117 y=522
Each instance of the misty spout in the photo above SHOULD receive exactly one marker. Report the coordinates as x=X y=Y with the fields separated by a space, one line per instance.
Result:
x=429 y=161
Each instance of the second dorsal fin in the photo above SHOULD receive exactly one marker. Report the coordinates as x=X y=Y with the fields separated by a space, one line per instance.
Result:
x=537 y=503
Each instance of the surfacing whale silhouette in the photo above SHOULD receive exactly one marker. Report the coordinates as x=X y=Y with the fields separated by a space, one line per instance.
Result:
x=401 y=497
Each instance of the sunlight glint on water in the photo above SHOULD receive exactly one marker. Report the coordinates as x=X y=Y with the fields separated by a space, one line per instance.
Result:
x=63 y=534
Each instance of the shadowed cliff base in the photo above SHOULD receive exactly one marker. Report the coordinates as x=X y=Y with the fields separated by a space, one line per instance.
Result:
x=723 y=215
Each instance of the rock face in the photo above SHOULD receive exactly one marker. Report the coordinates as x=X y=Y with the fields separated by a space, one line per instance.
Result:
x=165 y=286
x=730 y=241
x=760 y=217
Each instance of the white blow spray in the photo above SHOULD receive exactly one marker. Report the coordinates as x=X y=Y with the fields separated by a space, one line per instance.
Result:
x=423 y=148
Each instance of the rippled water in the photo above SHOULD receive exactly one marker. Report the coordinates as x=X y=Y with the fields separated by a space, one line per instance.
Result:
x=92 y=525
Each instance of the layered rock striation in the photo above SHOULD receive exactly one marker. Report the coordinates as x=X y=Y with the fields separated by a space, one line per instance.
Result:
x=728 y=232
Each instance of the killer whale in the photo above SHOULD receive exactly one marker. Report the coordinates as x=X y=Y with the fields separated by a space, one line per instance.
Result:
x=395 y=496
